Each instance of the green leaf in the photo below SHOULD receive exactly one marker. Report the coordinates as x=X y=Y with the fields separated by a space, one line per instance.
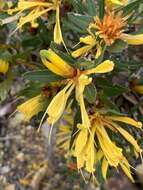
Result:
x=101 y=8
x=42 y=76
x=113 y=112
x=103 y=82
x=5 y=86
x=31 y=41
x=131 y=7
x=78 y=6
x=91 y=9
x=114 y=90
x=5 y=55
x=32 y=90
x=117 y=47
x=140 y=81
x=108 y=102
x=90 y=93
x=71 y=26
x=99 y=172
x=80 y=22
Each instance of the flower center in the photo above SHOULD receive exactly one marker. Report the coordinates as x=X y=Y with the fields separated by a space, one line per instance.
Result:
x=111 y=27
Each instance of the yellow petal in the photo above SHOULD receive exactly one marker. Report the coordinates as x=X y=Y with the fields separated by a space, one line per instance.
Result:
x=117 y=2
x=89 y=40
x=31 y=17
x=104 y=67
x=52 y=67
x=129 y=138
x=81 y=51
x=83 y=80
x=80 y=161
x=90 y=158
x=1 y=5
x=112 y=153
x=138 y=89
x=23 y=5
x=65 y=69
x=126 y=168
x=90 y=152
x=99 y=155
x=127 y=120
x=58 y=103
x=99 y=51
x=112 y=3
x=4 y=65
x=81 y=141
x=57 y=30
x=31 y=107
x=104 y=167
x=133 y=39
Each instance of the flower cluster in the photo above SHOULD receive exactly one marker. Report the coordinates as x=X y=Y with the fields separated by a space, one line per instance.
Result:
x=87 y=130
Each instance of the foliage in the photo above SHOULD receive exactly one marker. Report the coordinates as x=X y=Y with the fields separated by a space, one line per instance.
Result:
x=79 y=55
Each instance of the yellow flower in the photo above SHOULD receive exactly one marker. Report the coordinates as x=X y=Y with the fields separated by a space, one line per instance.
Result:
x=89 y=42
x=31 y=107
x=88 y=152
x=4 y=65
x=36 y=9
x=1 y=5
x=112 y=3
x=111 y=151
x=138 y=89
x=74 y=79
x=107 y=31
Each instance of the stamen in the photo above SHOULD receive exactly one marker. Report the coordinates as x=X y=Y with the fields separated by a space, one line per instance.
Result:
x=86 y=182
x=50 y=133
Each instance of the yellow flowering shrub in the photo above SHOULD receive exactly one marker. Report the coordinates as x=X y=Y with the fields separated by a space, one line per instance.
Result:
x=79 y=60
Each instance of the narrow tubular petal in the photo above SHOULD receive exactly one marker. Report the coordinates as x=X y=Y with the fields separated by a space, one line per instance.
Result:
x=31 y=17
x=80 y=161
x=117 y=2
x=84 y=115
x=90 y=158
x=57 y=30
x=90 y=153
x=31 y=107
x=4 y=65
x=132 y=39
x=57 y=61
x=89 y=40
x=58 y=104
x=81 y=141
x=104 y=67
x=129 y=138
x=52 y=67
x=82 y=82
x=99 y=155
x=104 y=167
x=126 y=168
x=127 y=120
x=112 y=152
x=23 y=5
x=138 y=89
x=81 y=51
x=98 y=51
